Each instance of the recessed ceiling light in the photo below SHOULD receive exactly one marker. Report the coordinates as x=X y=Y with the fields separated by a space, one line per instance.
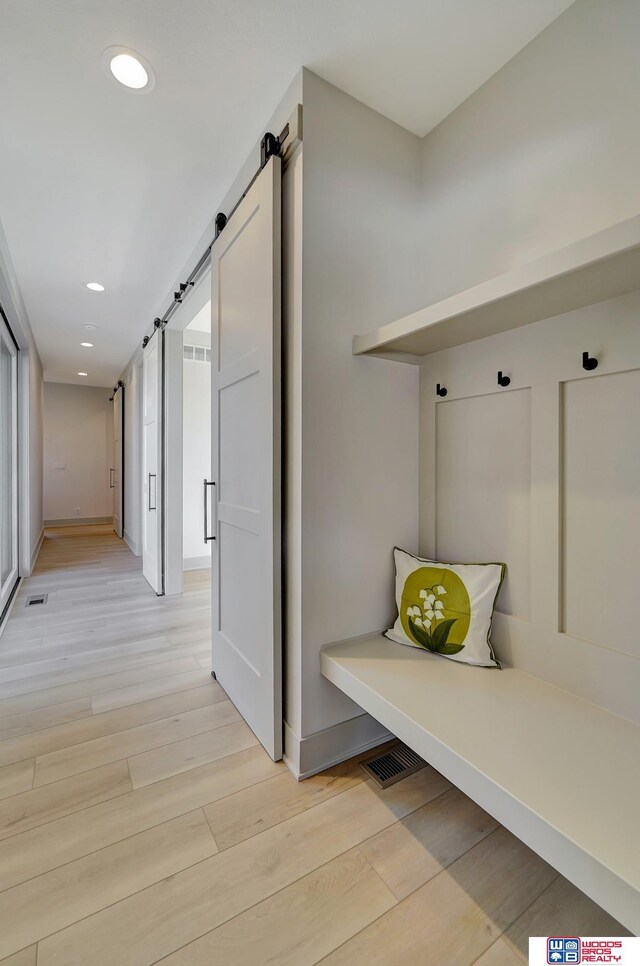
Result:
x=87 y=345
x=82 y=373
x=95 y=286
x=129 y=71
x=129 y=68
x=90 y=326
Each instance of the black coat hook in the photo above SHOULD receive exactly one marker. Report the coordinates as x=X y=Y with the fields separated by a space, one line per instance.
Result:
x=588 y=362
x=503 y=380
x=440 y=390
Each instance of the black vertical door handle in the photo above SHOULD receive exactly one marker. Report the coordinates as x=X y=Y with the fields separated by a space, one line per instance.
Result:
x=154 y=507
x=207 y=538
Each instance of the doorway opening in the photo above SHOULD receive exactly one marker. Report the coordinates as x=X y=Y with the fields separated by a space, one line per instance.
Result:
x=196 y=440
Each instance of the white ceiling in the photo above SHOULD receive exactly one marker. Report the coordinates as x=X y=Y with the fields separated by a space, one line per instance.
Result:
x=98 y=183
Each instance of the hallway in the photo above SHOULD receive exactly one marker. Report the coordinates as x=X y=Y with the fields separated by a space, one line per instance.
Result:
x=140 y=819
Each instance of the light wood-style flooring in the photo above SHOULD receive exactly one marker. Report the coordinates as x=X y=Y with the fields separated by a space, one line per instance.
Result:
x=141 y=821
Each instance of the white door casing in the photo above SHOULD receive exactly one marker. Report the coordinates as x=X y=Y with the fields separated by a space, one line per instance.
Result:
x=8 y=465
x=245 y=453
x=152 y=380
x=116 y=481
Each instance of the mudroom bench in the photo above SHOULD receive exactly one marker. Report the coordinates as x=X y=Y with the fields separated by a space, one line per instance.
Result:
x=560 y=773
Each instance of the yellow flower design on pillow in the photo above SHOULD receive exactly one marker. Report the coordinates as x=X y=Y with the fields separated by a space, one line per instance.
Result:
x=436 y=610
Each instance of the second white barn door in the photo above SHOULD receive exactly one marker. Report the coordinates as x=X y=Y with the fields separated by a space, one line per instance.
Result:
x=152 y=376
x=116 y=460
x=245 y=370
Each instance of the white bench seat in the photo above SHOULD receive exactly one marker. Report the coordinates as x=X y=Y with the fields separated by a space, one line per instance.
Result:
x=560 y=773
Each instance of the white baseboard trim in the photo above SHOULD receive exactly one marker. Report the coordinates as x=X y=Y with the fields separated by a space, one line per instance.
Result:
x=308 y=756
x=197 y=563
x=78 y=522
x=35 y=552
x=131 y=543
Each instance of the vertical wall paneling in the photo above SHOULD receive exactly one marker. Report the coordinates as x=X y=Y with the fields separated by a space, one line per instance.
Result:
x=601 y=508
x=545 y=475
x=483 y=487
x=545 y=510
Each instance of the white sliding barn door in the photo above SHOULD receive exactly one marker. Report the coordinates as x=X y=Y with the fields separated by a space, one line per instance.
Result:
x=116 y=481
x=245 y=452
x=152 y=379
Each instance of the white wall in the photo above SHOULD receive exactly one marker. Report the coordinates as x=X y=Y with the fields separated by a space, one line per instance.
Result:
x=357 y=452
x=78 y=434
x=196 y=449
x=545 y=153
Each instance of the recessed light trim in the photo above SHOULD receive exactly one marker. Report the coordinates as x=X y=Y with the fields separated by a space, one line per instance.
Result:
x=82 y=373
x=95 y=286
x=87 y=345
x=129 y=69
x=90 y=326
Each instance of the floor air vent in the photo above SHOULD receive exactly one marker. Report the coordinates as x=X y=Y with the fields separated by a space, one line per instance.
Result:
x=393 y=765
x=36 y=599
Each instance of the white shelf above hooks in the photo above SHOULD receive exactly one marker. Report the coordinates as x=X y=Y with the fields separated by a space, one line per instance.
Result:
x=600 y=267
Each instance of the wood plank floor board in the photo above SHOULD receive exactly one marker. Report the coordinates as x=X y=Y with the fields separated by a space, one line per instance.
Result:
x=174 y=912
x=41 y=849
x=181 y=756
x=26 y=722
x=416 y=849
x=16 y=778
x=218 y=854
x=561 y=910
x=117 y=629
x=457 y=915
x=62 y=737
x=209 y=713
x=94 y=686
x=42 y=664
x=146 y=690
x=42 y=682
x=59 y=898
x=98 y=645
x=39 y=805
x=300 y=924
x=251 y=811
x=26 y=957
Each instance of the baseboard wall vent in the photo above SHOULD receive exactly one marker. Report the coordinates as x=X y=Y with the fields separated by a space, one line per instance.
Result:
x=392 y=765
x=34 y=599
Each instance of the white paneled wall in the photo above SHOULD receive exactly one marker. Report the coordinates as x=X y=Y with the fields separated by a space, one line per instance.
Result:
x=483 y=487
x=545 y=476
x=601 y=509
